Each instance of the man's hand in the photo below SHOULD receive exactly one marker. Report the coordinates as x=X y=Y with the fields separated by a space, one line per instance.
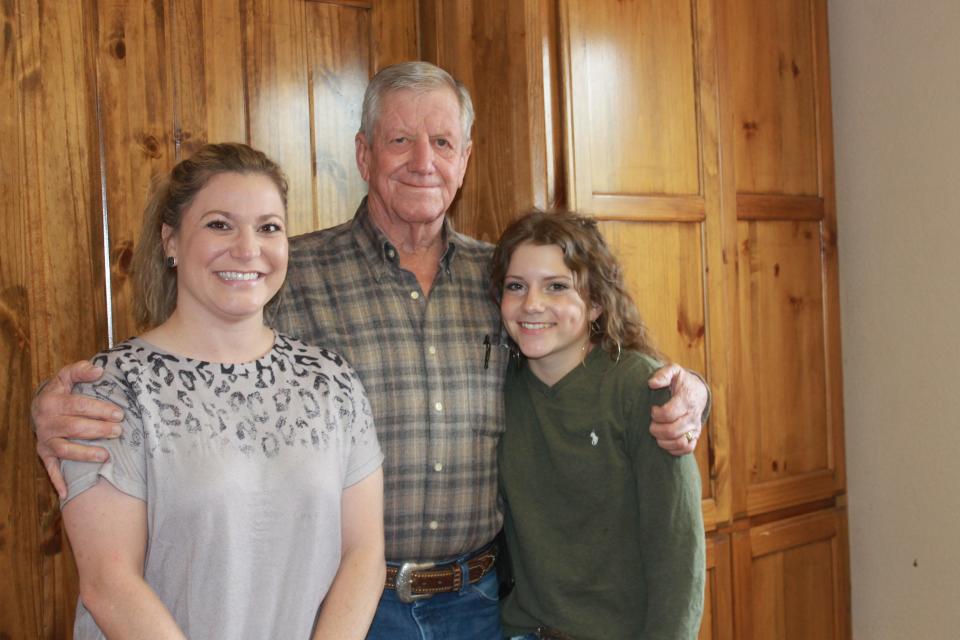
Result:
x=676 y=425
x=58 y=415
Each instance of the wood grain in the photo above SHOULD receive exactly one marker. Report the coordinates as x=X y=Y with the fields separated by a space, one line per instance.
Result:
x=775 y=80
x=635 y=118
x=278 y=100
x=208 y=71
x=782 y=401
x=338 y=59
x=790 y=578
x=52 y=306
x=717 y=621
x=136 y=112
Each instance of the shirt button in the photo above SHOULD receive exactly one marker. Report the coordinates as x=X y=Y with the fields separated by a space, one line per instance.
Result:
x=434 y=525
x=432 y=351
x=438 y=406
x=415 y=295
x=438 y=466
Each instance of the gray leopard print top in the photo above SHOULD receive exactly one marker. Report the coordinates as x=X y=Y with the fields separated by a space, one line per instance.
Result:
x=241 y=467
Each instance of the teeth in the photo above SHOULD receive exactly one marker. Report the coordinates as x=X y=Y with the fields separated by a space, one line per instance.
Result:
x=534 y=325
x=238 y=275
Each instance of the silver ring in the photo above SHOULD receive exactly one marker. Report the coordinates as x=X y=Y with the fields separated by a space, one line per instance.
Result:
x=690 y=436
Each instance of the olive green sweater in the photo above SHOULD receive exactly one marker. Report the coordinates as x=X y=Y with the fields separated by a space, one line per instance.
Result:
x=604 y=527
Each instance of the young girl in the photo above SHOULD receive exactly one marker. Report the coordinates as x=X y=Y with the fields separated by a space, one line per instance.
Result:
x=603 y=527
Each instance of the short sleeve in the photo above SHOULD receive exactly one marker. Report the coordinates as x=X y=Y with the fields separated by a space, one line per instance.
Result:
x=126 y=467
x=363 y=455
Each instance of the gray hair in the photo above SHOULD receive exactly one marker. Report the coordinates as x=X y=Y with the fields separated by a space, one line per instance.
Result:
x=418 y=76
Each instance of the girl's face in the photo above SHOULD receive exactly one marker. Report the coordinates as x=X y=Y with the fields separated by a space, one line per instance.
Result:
x=544 y=313
x=231 y=249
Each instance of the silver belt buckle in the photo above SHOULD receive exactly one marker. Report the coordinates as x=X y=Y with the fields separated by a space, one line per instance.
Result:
x=404 y=581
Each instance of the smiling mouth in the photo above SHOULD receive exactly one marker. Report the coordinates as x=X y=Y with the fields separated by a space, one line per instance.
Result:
x=239 y=276
x=535 y=325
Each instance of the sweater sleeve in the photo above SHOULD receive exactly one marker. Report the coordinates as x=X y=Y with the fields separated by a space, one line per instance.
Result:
x=672 y=544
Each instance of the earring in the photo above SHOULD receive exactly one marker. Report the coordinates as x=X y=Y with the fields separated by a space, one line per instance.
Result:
x=171 y=262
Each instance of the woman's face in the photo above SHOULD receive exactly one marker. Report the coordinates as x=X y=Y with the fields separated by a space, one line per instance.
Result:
x=543 y=311
x=231 y=249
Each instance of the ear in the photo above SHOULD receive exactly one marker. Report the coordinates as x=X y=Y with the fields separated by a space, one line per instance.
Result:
x=363 y=155
x=464 y=160
x=168 y=238
x=595 y=311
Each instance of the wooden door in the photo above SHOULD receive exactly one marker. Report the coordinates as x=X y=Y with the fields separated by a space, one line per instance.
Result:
x=99 y=96
x=788 y=396
x=643 y=157
x=717 y=622
x=791 y=578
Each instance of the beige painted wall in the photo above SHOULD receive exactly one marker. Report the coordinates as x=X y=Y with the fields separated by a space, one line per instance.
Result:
x=896 y=103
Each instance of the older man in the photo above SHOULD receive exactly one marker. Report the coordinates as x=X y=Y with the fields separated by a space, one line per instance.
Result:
x=402 y=295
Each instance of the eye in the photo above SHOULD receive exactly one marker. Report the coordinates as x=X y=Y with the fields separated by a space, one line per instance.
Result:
x=399 y=140
x=513 y=285
x=558 y=286
x=272 y=227
x=218 y=224
x=442 y=142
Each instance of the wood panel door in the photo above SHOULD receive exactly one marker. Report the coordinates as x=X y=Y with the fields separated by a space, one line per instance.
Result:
x=791 y=579
x=788 y=409
x=643 y=156
x=717 y=621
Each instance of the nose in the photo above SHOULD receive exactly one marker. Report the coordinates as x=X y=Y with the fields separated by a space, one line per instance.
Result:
x=246 y=244
x=422 y=156
x=532 y=301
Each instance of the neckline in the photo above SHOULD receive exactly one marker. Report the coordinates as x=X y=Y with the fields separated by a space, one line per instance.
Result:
x=260 y=359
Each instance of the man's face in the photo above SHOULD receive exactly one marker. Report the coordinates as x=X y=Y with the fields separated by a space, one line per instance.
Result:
x=415 y=160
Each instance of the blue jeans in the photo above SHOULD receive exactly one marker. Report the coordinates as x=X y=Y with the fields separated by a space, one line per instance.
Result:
x=470 y=614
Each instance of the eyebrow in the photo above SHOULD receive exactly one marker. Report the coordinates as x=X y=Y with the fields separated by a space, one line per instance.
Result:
x=228 y=214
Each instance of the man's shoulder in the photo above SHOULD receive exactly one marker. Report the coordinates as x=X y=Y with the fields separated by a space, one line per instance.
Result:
x=471 y=248
x=315 y=243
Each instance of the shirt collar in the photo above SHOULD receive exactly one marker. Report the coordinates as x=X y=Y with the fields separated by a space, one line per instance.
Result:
x=380 y=252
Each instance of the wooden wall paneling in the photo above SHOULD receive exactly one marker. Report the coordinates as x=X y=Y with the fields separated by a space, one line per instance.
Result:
x=338 y=56
x=717 y=621
x=504 y=53
x=643 y=113
x=789 y=418
x=395 y=33
x=789 y=457
x=136 y=119
x=719 y=232
x=828 y=244
x=278 y=99
x=52 y=304
x=790 y=578
x=207 y=40
x=634 y=121
x=774 y=75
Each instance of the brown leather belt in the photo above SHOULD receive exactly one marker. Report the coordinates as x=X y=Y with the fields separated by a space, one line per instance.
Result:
x=418 y=580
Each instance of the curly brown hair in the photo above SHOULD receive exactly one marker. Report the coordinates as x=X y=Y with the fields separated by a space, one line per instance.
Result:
x=597 y=275
x=155 y=284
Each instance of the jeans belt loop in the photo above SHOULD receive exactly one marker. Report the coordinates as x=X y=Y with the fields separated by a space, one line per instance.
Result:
x=404 y=581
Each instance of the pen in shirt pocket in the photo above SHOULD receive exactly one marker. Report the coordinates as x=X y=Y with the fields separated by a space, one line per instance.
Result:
x=488 y=343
